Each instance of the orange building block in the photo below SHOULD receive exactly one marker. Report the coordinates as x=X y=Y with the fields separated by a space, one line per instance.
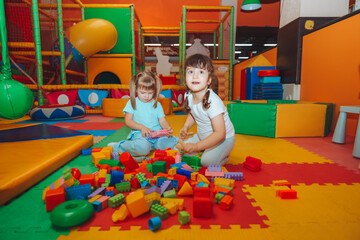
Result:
x=120 y=214
x=136 y=203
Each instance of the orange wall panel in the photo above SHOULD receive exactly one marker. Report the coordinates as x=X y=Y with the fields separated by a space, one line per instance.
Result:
x=268 y=15
x=331 y=67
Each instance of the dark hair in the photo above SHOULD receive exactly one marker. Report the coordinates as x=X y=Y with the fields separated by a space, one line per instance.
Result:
x=147 y=81
x=203 y=62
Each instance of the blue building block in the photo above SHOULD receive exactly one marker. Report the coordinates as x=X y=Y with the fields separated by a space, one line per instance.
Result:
x=116 y=176
x=252 y=78
x=76 y=191
x=86 y=151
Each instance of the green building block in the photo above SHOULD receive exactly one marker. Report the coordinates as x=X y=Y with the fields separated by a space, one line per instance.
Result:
x=123 y=187
x=112 y=163
x=149 y=167
x=116 y=200
x=170 y=193
x=227 y=188
x=158 y=210
x=191 y=160
x=184 y=217
x=218 y=197
x=140 y=177
x=158 y=166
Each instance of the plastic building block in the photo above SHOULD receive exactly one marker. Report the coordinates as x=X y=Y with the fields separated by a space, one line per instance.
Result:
x=152 y=198
x=179 y=202
x=140 y=177
x=178 y=157
x=154 y=223
x=160 y=211
x=237 y=176
x=136 y=203
x=224 y=189
x=215 y=168
x=172 y=171
x=96 y=150
x=186 y=190
x=202 y=207
x=171 y=207
x=99 y=191
x=87 y=179
x=224 y=182
x=165 y=186
x=107 y=151
x=253 y=164
x=120 y=214
x=158 y=166
x=174 y=182
x=115 y=156
x=101 y=203
x=111 y=163
x=116 y=176
x=123 y=187
x=184 y=172
x=202 y=178
x=85 y=152
x=159 y=133
x=96 y=157
x=282 y=183
x=53 y=198
x=93 y=199
x=191 y=160
x=135 y=183
x=181 y=179
x=214 y=173
x=218 y=197
x=145 y=184
x=75 y=191
x=184 y=217
x=226 y=202
x=288 y=194
x=116 y=200
x=128 y=161
x=170 y=193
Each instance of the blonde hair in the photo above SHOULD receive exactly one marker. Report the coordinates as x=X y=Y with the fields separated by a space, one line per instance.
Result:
x=147 y=81
x=203 y=62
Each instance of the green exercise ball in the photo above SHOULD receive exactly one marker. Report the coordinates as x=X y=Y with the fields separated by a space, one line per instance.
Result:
x=16 y=99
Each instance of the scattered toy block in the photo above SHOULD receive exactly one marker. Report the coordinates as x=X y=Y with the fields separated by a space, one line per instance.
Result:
x=184 y=217
x=120 y=214
x=253 y=164
x=186 y=189
x=288 y=194
x=226 y=202
x=136 y=203
x=202 y=207
x=53 y=198
x=128 y=161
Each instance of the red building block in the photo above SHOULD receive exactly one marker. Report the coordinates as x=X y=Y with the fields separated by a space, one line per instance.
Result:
x=288 y=194
x=87 y=178
x=226 y=202
x=181 y=179
x=54 y=197
x=202 y=206
x=135 y=183
x=128 y=161
x=253 y=164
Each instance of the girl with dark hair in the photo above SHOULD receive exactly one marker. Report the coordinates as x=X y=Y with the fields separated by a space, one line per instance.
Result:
x=215 y=131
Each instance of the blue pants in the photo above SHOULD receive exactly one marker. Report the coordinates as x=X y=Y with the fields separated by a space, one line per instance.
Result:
x=137 y=145
x=217 y=155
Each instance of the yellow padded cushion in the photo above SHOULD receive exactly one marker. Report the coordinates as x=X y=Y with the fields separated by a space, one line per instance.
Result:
x=300 y=120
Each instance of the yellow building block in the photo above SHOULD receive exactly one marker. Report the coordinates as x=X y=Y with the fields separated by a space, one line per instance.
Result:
x=96 y=157
x=171 y=207
x=93 y=199
x=107 y=151
x=171 y=152
x=120 y=214
x=202 y=178
x=136 y=203
x=152 y=196
x=172 y=171
x=300 y=120
x=194 y=175
x=102 y=173
x=224 y=182
x=177 y=201
x=128 y=177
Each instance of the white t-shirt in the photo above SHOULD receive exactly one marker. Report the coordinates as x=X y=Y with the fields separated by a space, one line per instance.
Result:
x=203 y=117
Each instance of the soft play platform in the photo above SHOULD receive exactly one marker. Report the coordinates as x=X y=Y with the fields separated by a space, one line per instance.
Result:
x=30 y=152
x=325 y=176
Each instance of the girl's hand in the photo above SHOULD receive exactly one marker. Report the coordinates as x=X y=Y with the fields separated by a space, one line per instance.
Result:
x=145 y=132
x=183 y=133
x=190 y=147
x=170 y=131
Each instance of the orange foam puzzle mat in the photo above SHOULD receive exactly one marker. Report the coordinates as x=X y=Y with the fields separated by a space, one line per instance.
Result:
x=325 y=176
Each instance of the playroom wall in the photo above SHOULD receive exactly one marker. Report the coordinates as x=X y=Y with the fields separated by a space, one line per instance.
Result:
x=331 y=67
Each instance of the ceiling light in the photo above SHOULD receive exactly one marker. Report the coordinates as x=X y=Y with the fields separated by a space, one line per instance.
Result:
x=270 y=44
x=251 y=5
x=243 y=45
